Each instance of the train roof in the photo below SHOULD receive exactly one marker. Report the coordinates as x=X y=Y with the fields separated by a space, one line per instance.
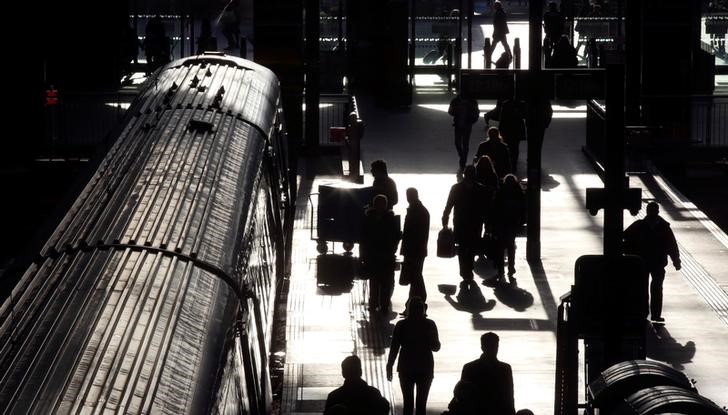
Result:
x=124 y=309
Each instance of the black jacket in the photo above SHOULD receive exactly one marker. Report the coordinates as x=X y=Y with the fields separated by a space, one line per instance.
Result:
x=386 y=187
x=417 y=338
x=499 y=154
x=493 y=382
x=653 y=243
x=416 y=231
x=359 y=398
x=380 y=236
x=470 y=201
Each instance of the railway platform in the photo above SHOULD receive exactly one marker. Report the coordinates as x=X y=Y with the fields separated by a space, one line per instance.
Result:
x=325 y=324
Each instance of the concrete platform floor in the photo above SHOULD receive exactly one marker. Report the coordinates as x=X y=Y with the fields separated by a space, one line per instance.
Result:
x=325 y=325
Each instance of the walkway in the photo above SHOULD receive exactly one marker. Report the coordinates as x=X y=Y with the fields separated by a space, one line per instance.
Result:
x=324 y=326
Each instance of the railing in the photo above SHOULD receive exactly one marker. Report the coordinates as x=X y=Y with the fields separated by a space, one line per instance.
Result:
x=341 y=126
x=710 y=121
x=692 y=122
x=179 y=30
x=333 y=112
x=596 y=121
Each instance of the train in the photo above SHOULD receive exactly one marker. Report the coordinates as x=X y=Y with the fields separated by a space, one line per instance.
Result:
x=156 y=294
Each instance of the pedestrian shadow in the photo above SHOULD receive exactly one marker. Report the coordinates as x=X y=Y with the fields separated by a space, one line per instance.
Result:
x=469 y=297
x=548 y=182
x=513 y=296
x=663 y=347
x=376 y=331
x=335 y=274
x=484 y=268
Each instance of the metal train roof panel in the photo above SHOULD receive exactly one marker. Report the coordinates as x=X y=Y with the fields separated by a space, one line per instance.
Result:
x=180 y=177
x=123 y=330
x=219 y=83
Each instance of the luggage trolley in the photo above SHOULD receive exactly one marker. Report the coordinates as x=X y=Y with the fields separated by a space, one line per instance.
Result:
x=339 y=214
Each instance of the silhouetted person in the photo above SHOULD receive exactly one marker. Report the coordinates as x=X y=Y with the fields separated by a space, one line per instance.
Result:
x=469 y=199
x=564 y=55
x=485 y=174
x=588 y=29
x=652 y=239
x=230 y=23
x=355 y=397
x=380 y=237
x=416 y=231
x=414 y=339
x=465 y=113
x=129 y=48
x=383 y=184
x=206 y=42
x=553 y=24
x=156 y=44
x=500 y=28
x=492 y=378
x=509 y=211
x=497 y=150
x=464 y=401
x=511 y=117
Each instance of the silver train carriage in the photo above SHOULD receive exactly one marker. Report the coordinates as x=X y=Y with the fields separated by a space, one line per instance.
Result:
x=156 y=293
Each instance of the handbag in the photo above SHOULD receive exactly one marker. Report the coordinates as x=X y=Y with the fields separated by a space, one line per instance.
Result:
x=446 y=243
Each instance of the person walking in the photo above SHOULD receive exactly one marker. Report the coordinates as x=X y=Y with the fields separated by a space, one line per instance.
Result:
x=469 y=199
x=378 y=247
x=355 y=396
x=230 y=23
x=500 y=28
x=415 y=234
x=509 y=211
x=497 y=150
x=652 y=239
x=492 y=379
x=414 y=339
x=564 y=55
x=465 y=113
x=383 y=184
x=553 y=25
x=511 y=117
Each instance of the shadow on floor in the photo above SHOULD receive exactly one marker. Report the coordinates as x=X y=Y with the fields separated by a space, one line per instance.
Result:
x=663 y=347
x=513 y=296
x=469 y=297
x=335 y=273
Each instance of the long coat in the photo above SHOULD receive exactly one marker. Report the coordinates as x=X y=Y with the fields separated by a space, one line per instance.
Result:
x=416 y=231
